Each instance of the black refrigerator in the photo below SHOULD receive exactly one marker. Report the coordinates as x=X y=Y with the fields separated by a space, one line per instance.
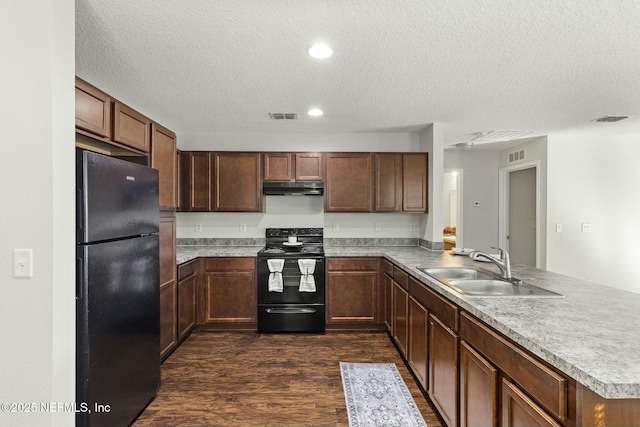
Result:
x=117 y=290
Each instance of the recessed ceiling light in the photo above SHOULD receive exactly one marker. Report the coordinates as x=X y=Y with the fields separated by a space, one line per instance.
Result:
x=315 y=112
x=320 y=51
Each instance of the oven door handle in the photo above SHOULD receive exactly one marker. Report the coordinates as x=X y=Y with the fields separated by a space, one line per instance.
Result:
x=290 y=310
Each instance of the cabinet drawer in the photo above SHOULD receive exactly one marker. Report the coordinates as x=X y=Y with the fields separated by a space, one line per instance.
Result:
x=352 y=264
x=401 y=277
x=547 y=387
x=229 y=264
x=446 y=311
x=187 y=269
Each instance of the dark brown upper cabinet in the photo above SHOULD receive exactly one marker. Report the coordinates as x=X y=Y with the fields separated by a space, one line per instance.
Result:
x=309 y=166
x=293 y=166
x=237 y=182
x=93 y=110
x=349 y=182
x=415 y=179
x=130 y=127
x=388 y=187
x=196 y=180
x=401 y=182
x=163 y=158
x=279 y=167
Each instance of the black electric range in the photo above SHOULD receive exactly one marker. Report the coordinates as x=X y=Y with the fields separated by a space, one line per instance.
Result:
x=291 y=281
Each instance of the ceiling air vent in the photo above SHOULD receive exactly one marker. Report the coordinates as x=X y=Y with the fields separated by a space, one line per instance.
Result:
x=609 y=119
x=283 y=116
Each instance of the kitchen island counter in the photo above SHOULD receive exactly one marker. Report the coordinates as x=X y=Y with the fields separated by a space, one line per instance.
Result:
x=592 y=334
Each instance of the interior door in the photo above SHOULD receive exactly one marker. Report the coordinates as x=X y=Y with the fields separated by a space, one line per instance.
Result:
x=522 y=217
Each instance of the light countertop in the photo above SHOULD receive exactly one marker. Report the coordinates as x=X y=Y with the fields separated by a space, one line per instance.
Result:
x=592 y=334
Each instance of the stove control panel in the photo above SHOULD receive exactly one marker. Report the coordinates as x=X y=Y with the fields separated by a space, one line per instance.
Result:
x=286 y=232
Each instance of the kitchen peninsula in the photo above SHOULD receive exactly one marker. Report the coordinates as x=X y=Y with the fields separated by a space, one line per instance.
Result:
x=589 y=336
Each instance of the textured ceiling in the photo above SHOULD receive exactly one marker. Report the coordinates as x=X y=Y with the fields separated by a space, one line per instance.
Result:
x=398 y=65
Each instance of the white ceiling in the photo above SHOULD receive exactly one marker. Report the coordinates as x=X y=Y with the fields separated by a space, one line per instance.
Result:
x=398 y=65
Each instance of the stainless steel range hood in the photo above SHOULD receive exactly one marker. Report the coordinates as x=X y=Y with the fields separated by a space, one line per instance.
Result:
x=296 y=188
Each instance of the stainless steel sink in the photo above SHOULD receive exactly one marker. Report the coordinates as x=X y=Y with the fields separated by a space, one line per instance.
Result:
x=456 y=273
x=494 y=287
x=482 y=283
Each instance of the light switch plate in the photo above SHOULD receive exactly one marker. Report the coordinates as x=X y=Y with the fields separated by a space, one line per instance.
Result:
x=22 y=263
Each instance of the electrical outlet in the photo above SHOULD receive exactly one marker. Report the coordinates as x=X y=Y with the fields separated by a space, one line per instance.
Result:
x=412 y=227
x=22 y=263
x=199 y=227
x=376 y=227
x=586 y=227
x=336 y=228
x=243 y=227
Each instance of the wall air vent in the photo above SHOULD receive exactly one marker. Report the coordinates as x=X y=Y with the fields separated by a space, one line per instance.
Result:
x=610 y=119
x=516 y=156
x=283 y=116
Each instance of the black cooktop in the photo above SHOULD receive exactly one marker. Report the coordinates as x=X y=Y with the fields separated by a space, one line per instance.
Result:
x=308 y=242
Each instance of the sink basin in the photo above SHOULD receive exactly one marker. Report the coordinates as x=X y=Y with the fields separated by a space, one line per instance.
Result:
x=482 y=283
x=455 y=273
x=493 y=287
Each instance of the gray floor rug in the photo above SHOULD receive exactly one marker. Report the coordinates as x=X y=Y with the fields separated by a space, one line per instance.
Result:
x=377 y=396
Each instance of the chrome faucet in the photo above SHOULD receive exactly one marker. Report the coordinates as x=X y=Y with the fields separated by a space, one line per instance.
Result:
x=503 y=263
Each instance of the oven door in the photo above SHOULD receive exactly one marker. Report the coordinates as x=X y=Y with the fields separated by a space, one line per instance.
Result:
x=294 y=284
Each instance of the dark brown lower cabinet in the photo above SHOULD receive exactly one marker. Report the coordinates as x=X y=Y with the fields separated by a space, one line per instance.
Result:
x=230 y=292
x=443 y=370
x=352 y=295
x=518 y=410
x=387 y=286
x=478 y=389
x=168 y=284
x=417 y=351
x=168 y=319
x=400 y=300
x=187 y=278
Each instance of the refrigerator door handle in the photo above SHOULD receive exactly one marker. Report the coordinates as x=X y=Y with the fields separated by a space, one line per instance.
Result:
x=79 y=278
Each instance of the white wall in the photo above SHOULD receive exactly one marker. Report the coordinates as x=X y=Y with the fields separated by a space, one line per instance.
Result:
x=37 y=315
x=594 y=178
x=479 y=183
x=291 y=211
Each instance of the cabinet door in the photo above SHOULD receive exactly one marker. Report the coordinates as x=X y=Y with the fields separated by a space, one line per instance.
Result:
x=387 y=284
x=443 y=370
x=388 y=178
x=278 y=167
x=478 y=389
x=309 y=166
x=400 y=299
x=195 y=181
x=163 y=158
x=93 y=109
x=520 y=411
x=414 y=182
x=352 y=296
x=418 y=345
x=231 y=297
x=186 y=306
x=238 y=182
x=168 y=294
x=349 y=183
x=130 y=127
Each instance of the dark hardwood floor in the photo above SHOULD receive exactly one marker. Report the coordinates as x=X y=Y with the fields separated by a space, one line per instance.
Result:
x=246 y=379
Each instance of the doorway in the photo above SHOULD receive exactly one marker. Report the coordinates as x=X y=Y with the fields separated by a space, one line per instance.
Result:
x=519 y=228
x=452 y=235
